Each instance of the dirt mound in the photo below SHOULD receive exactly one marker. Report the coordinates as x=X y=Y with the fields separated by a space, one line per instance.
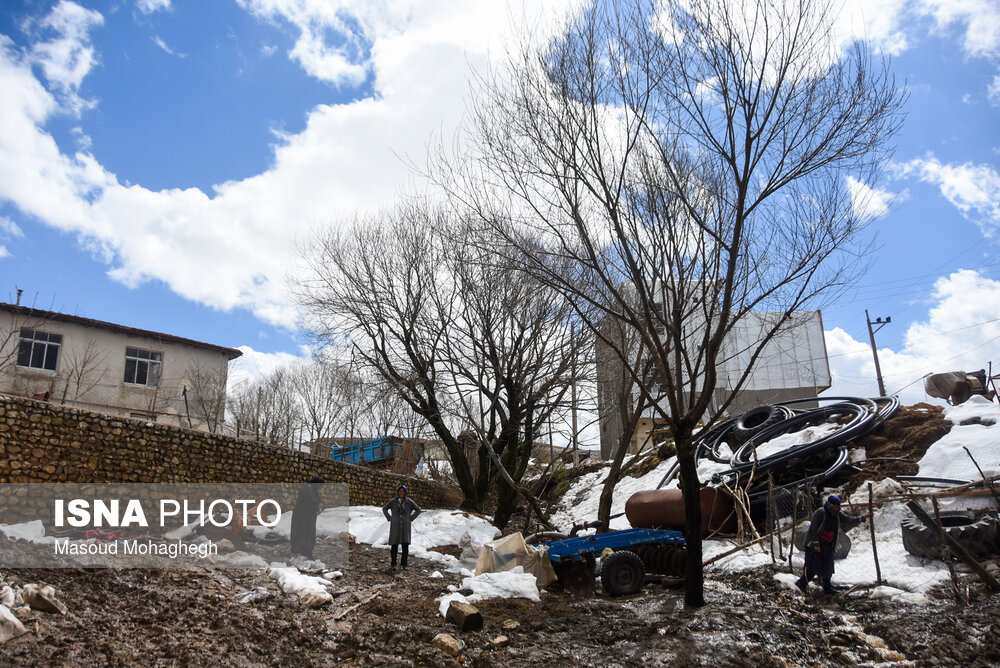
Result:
x=899 y=444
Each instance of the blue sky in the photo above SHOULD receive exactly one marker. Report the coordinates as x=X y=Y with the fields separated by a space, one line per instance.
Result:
x=161 y=161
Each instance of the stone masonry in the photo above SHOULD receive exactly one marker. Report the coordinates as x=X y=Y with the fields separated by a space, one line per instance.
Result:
x=42 y=442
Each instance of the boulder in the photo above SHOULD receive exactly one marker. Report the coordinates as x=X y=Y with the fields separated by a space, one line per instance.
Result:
x=42 y=598
x=315 y=598
x=464 y=616
x=448 y=644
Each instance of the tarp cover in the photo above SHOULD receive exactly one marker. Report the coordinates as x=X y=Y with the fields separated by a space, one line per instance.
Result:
x=505 y=553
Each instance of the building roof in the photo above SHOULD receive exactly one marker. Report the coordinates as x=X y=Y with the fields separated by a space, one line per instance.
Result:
x=231 y=353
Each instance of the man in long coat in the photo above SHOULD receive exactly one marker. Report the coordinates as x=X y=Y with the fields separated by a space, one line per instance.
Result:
x=307 y=507
x=400 y=512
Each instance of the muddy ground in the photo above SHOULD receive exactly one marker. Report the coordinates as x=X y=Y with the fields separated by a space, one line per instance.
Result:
x=191 y=618
x=181 y=618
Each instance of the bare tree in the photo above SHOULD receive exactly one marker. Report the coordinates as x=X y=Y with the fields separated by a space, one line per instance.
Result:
x=463 y=342
x=267 y=409
x=387 y=413
x=683 y=163
x=83 y=369
x=208 y=394
x=319 y=389
x=21 y=318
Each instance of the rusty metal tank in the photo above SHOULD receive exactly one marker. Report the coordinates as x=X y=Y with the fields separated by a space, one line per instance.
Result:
x=664 y=509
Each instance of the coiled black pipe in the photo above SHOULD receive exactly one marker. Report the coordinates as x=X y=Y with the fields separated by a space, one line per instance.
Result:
x=866 y=415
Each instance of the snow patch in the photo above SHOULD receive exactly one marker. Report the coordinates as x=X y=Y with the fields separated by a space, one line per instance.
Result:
x=291 y=581
x=433 y=528
x=514 y=583
x=947 y=458
x=33 y=532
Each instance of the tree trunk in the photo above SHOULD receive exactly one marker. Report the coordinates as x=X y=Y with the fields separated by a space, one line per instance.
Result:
x=614 y=473
x=694 y=579
x=459 y=464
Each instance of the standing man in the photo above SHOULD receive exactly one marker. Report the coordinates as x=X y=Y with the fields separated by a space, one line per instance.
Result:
x=400 y=512
x=307 y=507
x=821 y=543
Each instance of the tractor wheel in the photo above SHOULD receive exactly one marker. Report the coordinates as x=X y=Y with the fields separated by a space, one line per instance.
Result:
x=977 y=536
x=755 y=421
x=622 y=573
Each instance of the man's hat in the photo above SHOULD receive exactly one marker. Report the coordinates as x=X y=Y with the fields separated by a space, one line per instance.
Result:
x=834 y=499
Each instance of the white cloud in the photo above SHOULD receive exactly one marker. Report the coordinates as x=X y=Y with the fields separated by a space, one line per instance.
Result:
x=993 y=92
x=166 y=47
x=34 y=175
x=8 y=230
x=233 y=247
x=254 y=365
x=82 y=139
x=973 y=189
x=876 y=21
x=333 y=34
x=868 y=202
x=980 y=20
x=150 y=6
x=961 y=332
x=68 y=57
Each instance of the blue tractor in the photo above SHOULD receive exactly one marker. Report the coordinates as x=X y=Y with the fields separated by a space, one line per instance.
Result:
x=633 y=553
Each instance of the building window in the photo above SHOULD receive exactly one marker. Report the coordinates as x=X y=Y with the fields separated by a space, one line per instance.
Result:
x=39 y=350
x=142 y=367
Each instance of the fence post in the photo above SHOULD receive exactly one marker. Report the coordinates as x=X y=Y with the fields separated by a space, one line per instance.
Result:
x=771 y=519
x=871 y=527
x=795 y=519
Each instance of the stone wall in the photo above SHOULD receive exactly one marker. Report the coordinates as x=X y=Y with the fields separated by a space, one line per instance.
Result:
x=42 y=442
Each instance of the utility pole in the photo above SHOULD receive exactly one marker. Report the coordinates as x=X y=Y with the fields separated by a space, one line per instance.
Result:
x=871 y=335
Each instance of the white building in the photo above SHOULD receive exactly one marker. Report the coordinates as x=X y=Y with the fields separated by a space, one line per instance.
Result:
x=114 y=369
x=791 y=365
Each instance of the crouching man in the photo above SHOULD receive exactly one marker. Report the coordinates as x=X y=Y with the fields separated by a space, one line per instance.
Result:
x=821 y=543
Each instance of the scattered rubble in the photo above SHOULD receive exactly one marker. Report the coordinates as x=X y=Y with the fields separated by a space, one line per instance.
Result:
x=448 y=643
x=193 y=618
x=251 y=596
x=7 y=596
x=510 y=625
x=42 y=598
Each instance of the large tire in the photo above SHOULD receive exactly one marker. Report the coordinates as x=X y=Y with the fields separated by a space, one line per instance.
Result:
x=755 y=421
x=979 y=537
x=622 y=573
